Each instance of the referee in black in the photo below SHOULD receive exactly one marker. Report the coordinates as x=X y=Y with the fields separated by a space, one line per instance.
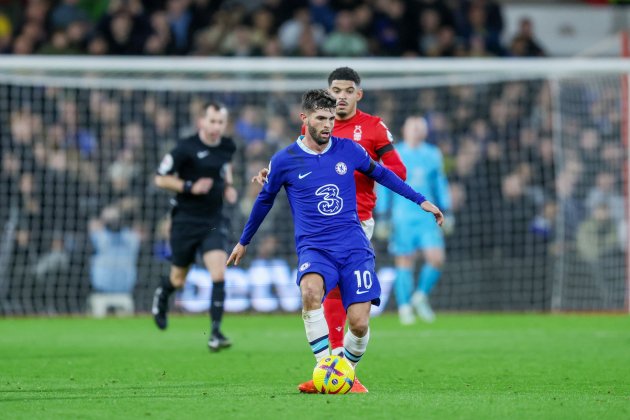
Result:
x=199 y=170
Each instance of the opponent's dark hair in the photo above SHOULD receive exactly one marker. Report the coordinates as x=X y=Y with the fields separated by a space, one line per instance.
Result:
x=344 y=73
x=318 y=99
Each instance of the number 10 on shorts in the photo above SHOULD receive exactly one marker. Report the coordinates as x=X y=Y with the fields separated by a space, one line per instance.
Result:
x=364 y=278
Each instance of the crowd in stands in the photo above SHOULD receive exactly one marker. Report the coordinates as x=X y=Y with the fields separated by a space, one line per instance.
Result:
x=267 y=28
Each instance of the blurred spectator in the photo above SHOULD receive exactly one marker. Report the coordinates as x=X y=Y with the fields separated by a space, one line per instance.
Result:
x=249 y=126
x=429 y=24
x=544 y=166
x=598 y=245
x=180 y=18
x=597 y=236
x=323 y=14
x=5 y=32
x=604 y=192
x=298 y=30
x=54 y=262
x=239 y=42
x=124 y=37
x=23 y=45
x=59 y=44
x=388 y=27
x=444 y=9
x=569 y=207
x=161 y=41
x=345 y=41
x=77 y=137
x=363 y=16
x=481 y=31
x=10 y=173
x=67 y=12
x=543 y=225
x=524 y=43
x=116 y=247
x=513 y=236
x=264 y=28
x=98 y=46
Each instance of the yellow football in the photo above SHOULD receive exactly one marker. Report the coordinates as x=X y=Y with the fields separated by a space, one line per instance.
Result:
x=333 y=375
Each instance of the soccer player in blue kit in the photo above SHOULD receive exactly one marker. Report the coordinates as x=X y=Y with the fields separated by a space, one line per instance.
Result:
x=317 y=172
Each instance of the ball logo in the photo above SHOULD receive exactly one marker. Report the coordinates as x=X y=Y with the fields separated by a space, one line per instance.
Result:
x=341 y=168
x=305 y=266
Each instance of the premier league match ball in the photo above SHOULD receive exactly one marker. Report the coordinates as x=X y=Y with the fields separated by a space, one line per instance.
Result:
x=333 y=375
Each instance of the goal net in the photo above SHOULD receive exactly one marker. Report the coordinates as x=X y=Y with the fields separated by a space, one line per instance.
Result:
x=535 y=152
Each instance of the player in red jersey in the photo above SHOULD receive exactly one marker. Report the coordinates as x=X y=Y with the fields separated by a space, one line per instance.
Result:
x=370 y=132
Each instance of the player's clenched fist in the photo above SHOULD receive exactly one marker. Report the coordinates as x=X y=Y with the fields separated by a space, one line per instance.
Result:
x=202 y=186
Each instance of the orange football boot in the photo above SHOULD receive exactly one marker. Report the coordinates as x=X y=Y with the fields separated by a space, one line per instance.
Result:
x=358 y=387
x=308 y=387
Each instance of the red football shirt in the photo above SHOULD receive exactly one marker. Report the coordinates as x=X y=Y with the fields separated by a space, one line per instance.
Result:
x=374 y=136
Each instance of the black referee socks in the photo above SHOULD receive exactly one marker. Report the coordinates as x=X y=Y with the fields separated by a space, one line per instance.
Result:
x=216 y=305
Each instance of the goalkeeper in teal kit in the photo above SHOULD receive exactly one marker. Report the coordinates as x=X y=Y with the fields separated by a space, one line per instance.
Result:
x=413 y=231
x=317 y=172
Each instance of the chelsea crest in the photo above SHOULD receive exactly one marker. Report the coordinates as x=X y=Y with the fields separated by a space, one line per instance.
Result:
x=341 y=168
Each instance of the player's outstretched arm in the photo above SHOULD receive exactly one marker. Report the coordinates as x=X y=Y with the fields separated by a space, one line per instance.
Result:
x=237 y=254
x=429 y=207
x=261 y=177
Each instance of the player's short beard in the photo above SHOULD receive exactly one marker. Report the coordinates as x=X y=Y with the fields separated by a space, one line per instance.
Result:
x=314 y=135
x=341 y=114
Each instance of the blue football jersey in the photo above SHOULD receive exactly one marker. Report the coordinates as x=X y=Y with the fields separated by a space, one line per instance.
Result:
x=321 y=192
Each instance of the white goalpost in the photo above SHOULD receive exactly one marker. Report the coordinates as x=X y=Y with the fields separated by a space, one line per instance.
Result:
x=536 y=152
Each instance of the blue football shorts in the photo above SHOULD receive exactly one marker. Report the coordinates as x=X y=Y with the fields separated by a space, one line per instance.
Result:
x=353 y=272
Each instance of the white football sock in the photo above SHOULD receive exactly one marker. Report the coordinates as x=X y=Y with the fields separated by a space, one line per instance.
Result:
x=354 y=347
x=316 y=332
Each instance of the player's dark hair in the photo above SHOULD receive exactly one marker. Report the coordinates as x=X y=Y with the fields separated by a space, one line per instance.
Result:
x=217 y=106
x=344 y=73
x=318 y=99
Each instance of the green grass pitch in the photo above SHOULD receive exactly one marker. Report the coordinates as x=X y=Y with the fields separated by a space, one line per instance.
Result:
x=465 y=366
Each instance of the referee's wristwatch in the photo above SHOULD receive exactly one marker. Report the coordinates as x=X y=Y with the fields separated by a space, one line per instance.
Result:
x=187 y=187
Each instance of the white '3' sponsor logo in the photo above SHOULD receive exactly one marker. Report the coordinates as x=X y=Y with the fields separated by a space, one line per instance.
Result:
x=203 y=154
x=331 y=203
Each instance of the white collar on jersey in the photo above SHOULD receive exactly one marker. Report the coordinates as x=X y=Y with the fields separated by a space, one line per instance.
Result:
x=309 y=151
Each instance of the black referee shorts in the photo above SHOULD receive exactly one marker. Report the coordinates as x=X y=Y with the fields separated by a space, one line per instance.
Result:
x=189 y=237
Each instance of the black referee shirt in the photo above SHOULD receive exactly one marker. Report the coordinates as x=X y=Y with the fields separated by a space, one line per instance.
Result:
x=192 y=159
